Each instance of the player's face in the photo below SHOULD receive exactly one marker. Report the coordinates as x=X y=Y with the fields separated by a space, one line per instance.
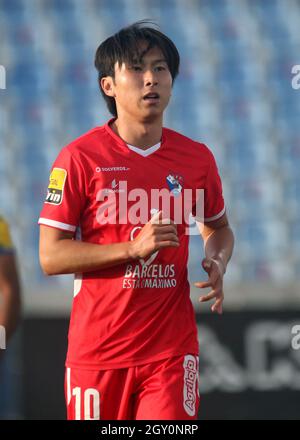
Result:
x=133 y=82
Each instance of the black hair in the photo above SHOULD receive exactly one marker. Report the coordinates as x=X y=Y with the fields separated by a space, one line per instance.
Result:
x=124 y=47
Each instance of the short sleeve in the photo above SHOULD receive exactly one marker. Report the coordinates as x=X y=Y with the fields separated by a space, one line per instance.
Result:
x=6 y=245
x=65 y=196
x=214 y=205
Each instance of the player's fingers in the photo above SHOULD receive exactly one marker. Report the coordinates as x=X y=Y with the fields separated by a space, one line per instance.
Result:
x=168 y=243
x=165 y=229
x=156 y=217
x=159 y=218
x=212 y=294
x=169 y=236
x=203 y=284
x=167 y=221
x=218 y=306
x=162 y=227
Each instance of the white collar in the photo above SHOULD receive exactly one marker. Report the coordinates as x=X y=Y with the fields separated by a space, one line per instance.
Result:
x=147 y=152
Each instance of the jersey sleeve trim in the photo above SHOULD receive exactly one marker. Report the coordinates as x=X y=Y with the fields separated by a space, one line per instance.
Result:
x=215 y=217
x=57 y=225
x=210 y=219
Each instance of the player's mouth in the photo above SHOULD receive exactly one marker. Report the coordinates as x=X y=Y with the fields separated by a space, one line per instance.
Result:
x=152 y=98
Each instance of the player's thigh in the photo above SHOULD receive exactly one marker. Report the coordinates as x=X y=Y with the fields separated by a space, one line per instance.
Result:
x=98 y=395
x=171 y=392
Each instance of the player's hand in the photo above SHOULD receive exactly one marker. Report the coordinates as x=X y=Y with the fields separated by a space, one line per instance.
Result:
x=215 y=271
x=158 y=233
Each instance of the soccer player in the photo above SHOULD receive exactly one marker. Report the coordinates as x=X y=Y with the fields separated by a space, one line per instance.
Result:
x=9 y=285
x=133 y=347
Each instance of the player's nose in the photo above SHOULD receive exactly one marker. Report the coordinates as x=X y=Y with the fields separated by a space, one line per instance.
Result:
x=150 y=79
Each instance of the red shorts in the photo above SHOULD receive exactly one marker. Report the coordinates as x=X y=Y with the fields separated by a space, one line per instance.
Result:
x=162 y=390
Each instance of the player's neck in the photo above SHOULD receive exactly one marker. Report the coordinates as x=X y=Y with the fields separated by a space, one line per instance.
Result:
x=139 y=134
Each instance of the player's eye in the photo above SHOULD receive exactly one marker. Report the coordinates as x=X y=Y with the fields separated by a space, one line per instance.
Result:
x=137 y=68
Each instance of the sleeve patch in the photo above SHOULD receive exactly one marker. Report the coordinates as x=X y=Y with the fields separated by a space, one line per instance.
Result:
x=56 y=186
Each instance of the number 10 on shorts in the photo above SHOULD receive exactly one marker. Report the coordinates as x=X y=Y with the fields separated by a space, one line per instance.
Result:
x=91 y=403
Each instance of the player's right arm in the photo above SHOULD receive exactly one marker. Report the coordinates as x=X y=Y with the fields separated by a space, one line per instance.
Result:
x=61 y=254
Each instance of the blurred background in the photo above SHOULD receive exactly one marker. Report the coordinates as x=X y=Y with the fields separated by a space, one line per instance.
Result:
x=234 y=92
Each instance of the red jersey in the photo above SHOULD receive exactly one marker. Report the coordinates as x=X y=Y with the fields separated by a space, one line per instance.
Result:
x=137 y=312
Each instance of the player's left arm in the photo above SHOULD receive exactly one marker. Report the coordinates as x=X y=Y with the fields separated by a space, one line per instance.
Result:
x=218 y=245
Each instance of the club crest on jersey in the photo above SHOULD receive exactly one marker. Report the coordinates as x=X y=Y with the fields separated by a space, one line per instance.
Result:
x=175 y=184
x=56 y=186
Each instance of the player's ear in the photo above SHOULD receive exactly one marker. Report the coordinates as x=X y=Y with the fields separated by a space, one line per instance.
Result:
x=107 y=85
